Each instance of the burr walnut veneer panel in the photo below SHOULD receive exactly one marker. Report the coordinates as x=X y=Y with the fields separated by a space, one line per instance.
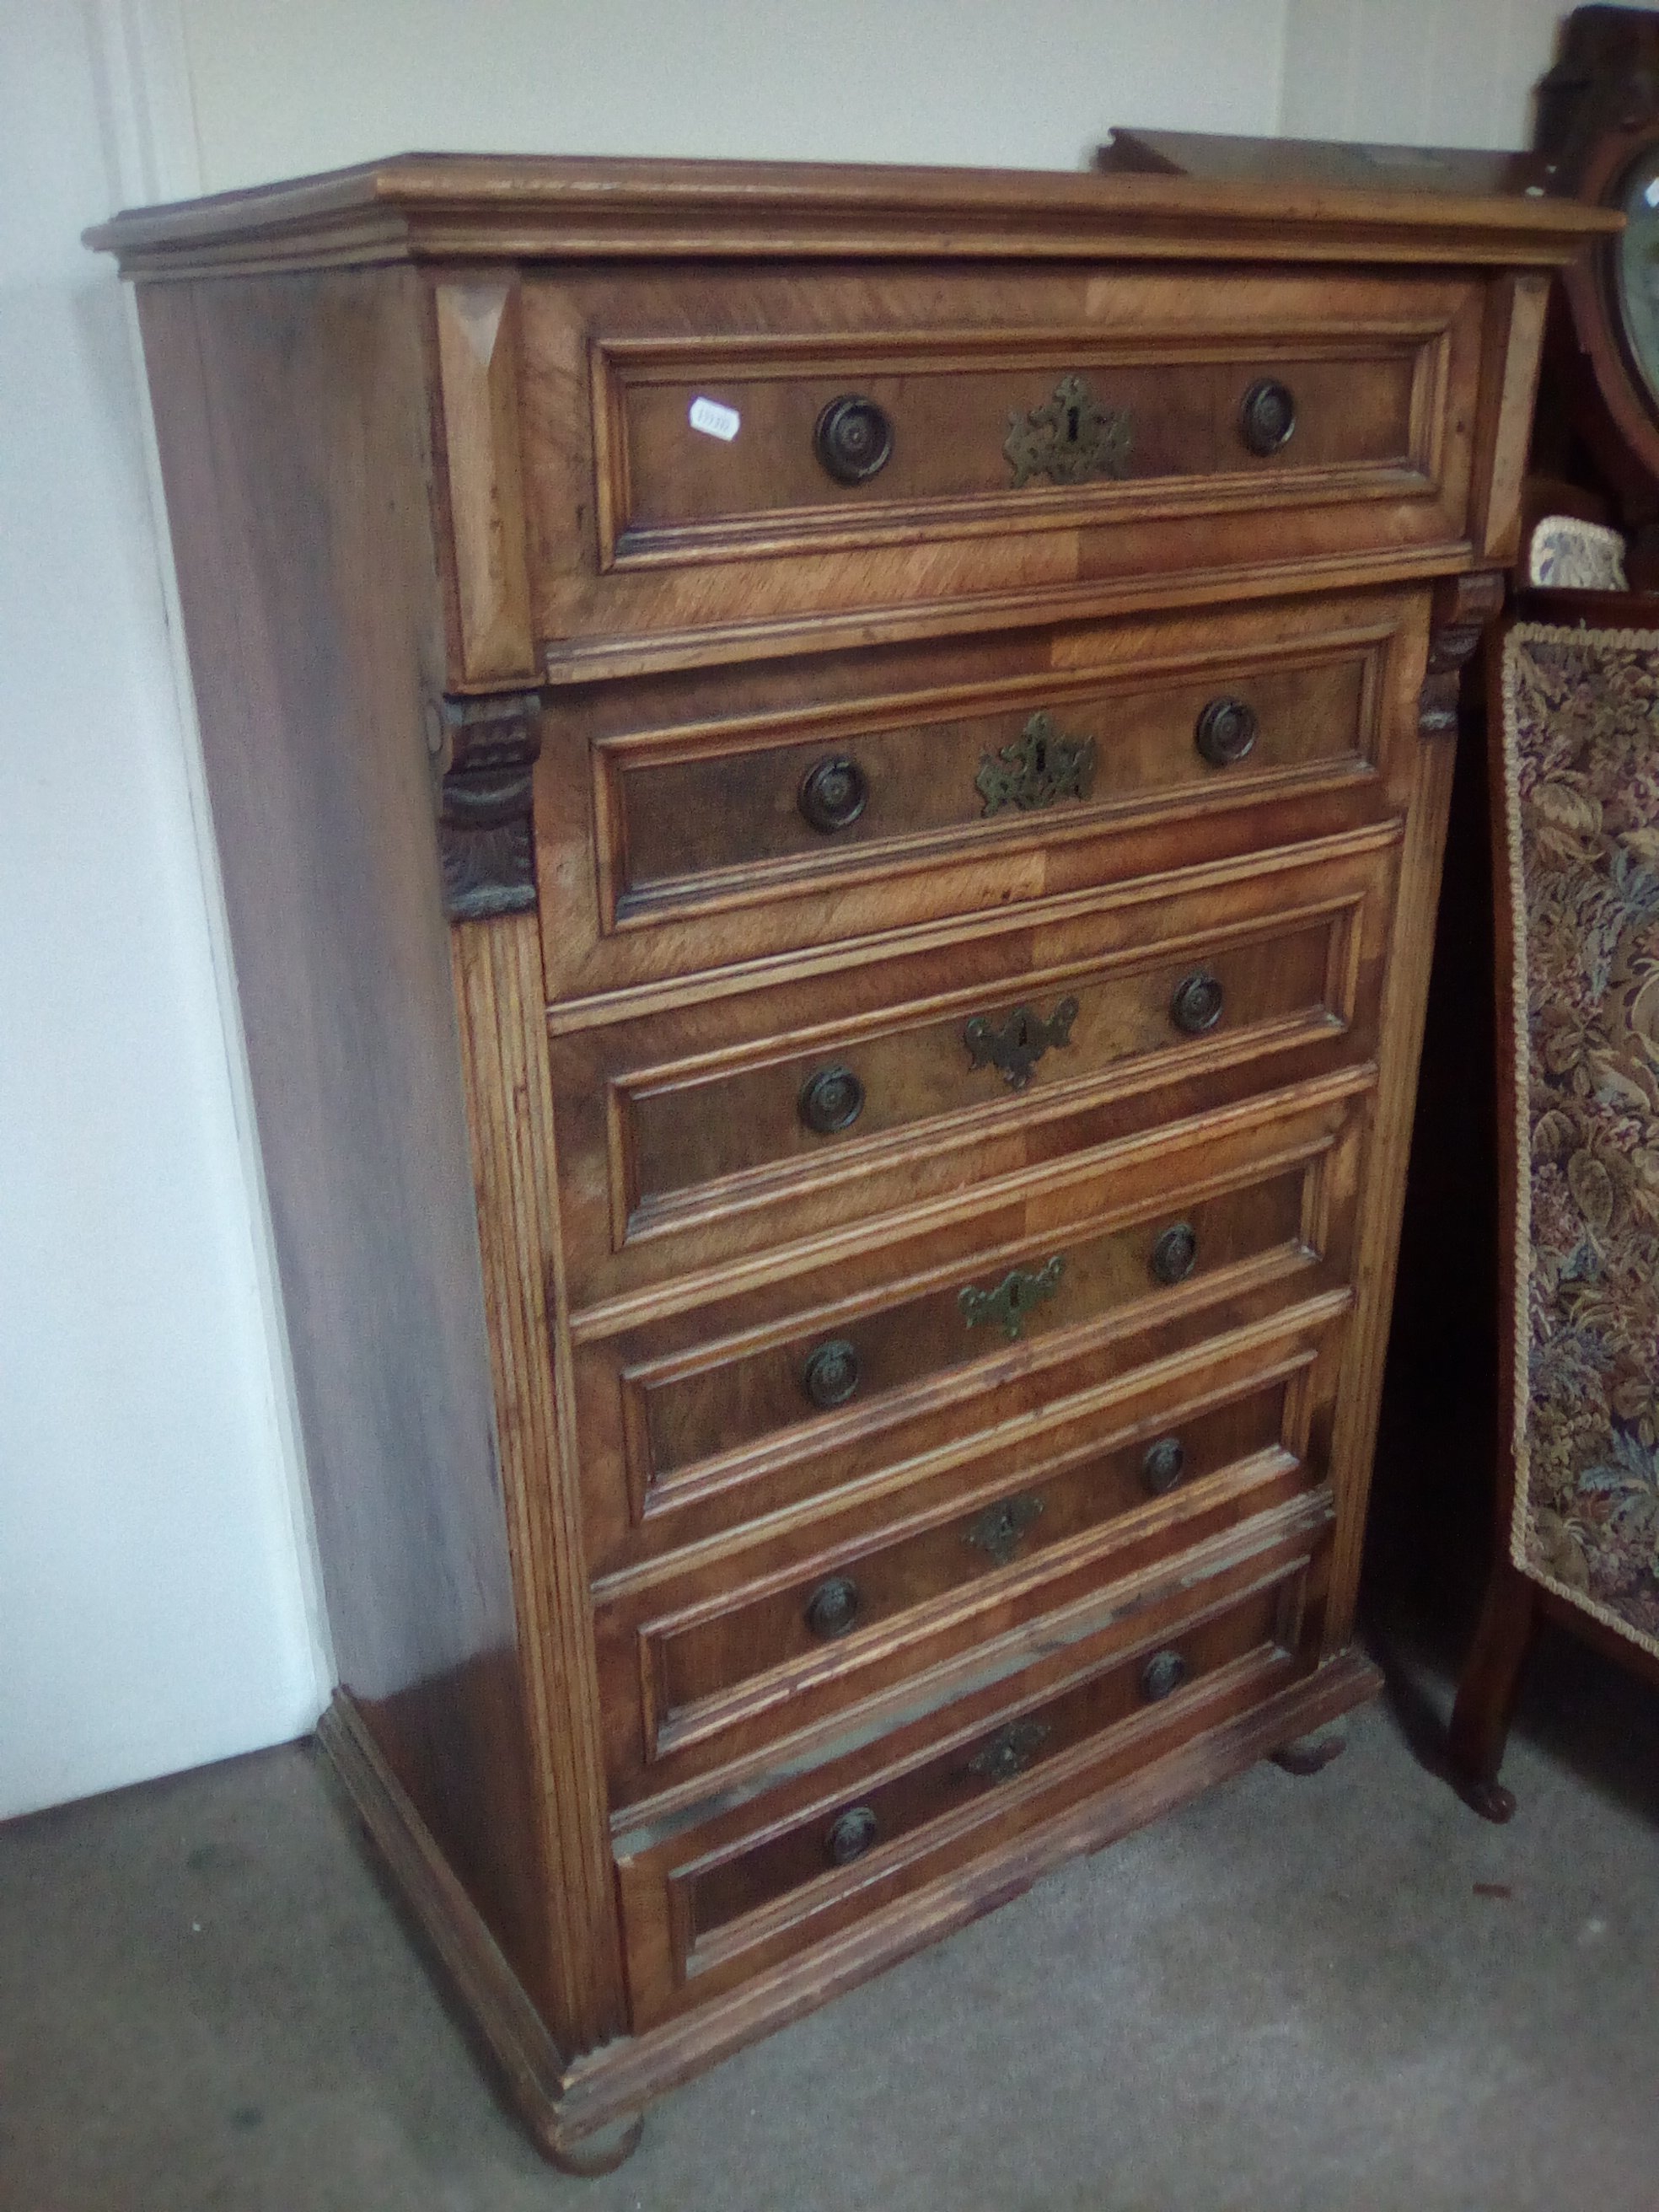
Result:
x=640 y=523
x=831 y=786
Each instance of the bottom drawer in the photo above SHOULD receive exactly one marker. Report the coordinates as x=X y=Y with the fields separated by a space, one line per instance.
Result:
x=725 y=1897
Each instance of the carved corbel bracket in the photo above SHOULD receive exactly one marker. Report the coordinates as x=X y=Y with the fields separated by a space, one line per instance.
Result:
x=483 y=755
x=1463 y=605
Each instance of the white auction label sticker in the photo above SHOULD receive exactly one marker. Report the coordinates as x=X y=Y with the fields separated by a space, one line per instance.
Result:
x=715 y=421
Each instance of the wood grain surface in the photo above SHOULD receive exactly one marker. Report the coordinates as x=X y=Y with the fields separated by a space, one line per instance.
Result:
x=839 y=1309
x=296 y=497
x=1266 y=205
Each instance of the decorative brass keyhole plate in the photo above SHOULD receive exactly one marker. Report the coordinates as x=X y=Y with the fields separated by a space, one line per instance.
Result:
x=1069 y=438
x=1001 y=1528
x=1040 y=767
x=1015 y=1049
x=1010 y=1751
x=1013 y=1297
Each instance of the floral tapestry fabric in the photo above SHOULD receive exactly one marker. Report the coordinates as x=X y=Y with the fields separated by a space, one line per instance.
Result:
x=1582 y=747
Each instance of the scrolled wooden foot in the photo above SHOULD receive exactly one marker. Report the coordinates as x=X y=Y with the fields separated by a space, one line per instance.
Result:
x=1309 y=1754
x=1490 y=1800
x=602 y=2152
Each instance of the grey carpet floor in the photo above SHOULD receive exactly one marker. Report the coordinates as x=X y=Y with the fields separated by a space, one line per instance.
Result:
x=1304 y=1996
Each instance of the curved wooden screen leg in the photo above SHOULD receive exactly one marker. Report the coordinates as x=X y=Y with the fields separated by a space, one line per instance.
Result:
x=1486 y=1694
x=1309 y=1754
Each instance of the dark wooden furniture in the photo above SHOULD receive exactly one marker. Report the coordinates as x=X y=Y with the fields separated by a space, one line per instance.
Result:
x=1595 y=455
x=1598 y=130
x=831 y=786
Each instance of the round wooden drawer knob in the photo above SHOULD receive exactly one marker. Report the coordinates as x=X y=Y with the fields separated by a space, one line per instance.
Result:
x=1197 y=1002
x=832 y=1373
x=1162 y=1674
x=1163 y=1464
x=833 y=1608
x=1267 y=416
x=1175 y=1254
x=853 y=439
x=831 y=1099
x=834 y=794
x=851 y=1836
x=1226 y=731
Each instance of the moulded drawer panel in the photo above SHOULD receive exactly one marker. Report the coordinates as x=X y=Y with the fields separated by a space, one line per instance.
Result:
x=703 y=1126
x=1039 y=429
x=1096 y=1270
x=718 y=1404
x=696 y=823
x=984 y=429
x=707 y=1662
x=706 y=1902
x=698 y=819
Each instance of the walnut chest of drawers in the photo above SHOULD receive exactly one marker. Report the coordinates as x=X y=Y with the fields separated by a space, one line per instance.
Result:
x=830 y=786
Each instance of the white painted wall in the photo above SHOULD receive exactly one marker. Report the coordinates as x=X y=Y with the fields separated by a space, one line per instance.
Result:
x=156 y=1591
x=314 y=83
x=1417 y=72
x=153 y=1587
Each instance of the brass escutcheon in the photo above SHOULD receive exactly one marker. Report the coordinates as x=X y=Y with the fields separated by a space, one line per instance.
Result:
x=1015 y=1049
x=1010 y=1751
x=1070 y=438
x=1040 y=767
x=1001 y=1528
x=1013 y=1297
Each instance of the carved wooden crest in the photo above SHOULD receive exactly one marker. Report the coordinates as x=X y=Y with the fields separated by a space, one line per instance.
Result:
x=484 y=753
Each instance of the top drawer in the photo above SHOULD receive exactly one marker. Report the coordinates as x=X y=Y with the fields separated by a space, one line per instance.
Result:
x=755 y=448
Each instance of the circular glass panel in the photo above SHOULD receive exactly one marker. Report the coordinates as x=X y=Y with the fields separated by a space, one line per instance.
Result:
x=1636 y=268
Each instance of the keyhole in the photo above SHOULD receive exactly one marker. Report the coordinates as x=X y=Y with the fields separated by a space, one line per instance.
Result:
x=1071 y=424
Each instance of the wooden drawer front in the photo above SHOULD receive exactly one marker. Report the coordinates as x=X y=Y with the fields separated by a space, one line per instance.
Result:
x=1066 y=1026
x=699 y=822
x=1045 y=411
x=679 y=824
x=988 y=1053
x=703 y=1663
x=774 y=1396
x=1099 y=1269
x=985 y=432
x=704 y=1905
